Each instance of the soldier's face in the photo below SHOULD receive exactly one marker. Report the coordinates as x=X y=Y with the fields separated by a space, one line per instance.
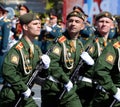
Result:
x=74 y=24
x=104 y=25
x=22 y=12
x=33 y=28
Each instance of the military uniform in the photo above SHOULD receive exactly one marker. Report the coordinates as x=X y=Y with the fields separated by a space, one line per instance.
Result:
x=86 y=33
x=64 y=59
x=107 y=75
x=19 y=65
x=4 y=36
x=86 y=82
x=48 y=37
x=24 y=61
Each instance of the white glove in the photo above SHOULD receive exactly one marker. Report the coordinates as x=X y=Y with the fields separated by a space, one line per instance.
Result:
x=49 y=29
x=14 y=23
x=46 y=61
x=27 y=93
x=87 y=58
x=69 y=86
x=117 y=95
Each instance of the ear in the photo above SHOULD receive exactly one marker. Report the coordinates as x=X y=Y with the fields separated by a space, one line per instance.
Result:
x=25 y=27
x=83 y=26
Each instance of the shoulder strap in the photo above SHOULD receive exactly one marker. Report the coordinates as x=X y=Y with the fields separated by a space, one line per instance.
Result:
x=116 y=44
x=62 y=39
x=19 y=46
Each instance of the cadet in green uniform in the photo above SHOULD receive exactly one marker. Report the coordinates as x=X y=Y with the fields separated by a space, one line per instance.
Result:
x=107 y=74
x=64 y=59
x=19 y=64
x=104 y=22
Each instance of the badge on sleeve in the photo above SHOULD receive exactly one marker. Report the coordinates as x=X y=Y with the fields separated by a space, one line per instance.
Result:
x=14 y=59
x=110 y=58
x=57 y=50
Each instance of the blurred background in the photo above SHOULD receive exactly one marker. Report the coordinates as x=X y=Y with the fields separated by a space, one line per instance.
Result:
x=63 y=7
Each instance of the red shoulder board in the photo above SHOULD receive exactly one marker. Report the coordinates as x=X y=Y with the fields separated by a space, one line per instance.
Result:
x=96 y=40
x=62 y=39
x=117 y=44
x=19 y=46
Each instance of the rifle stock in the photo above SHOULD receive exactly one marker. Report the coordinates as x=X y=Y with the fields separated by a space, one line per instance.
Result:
x=37 y=69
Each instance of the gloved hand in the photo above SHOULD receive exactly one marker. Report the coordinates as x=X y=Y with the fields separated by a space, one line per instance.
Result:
x=87 y=58
x=69 y=86
x=14 y=23
x=49 y=29
x=46 y=61
x=117 y=95
x=27 y=93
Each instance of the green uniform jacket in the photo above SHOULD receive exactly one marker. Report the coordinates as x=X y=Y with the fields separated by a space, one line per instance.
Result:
x=106 y=68
x=62 y=67
x=18 y=68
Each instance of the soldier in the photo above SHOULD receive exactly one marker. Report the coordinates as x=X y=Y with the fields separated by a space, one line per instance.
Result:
x=107 y=75
x=88 y=29
x=16 y=27
x=19 y=64
x=64 y=59
x=53 y=30
x=4 y=35
x=104 y=22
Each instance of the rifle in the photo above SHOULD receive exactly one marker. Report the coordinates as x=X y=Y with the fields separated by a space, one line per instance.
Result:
x=37 y=70
x=113 y=103
x=75 y=75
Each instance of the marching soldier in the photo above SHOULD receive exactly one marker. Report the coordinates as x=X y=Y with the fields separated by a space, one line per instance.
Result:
x=19 y=64
x=107 y=75
x=64 y=59
x=104 y=22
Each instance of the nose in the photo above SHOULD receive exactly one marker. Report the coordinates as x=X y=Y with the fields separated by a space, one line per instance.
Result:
x=73 y=23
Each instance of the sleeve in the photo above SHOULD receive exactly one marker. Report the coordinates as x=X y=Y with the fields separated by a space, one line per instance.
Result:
x=5 y=32
x=103 y=68
x=12 y=72
x=56 y=32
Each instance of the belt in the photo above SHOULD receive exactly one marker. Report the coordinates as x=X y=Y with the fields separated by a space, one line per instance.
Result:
x=85 y=79
x=51 y=78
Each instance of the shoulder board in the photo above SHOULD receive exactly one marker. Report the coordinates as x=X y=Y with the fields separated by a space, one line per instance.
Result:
x=96 y=39
x=117 y=44
x=62 y=39
x=19 y=46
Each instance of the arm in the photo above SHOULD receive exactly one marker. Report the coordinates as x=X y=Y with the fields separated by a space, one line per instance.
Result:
x=104 y=67
x=5 y=34
x=12 y=72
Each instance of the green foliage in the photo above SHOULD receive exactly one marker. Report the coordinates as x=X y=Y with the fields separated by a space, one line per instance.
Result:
x=49 y=5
